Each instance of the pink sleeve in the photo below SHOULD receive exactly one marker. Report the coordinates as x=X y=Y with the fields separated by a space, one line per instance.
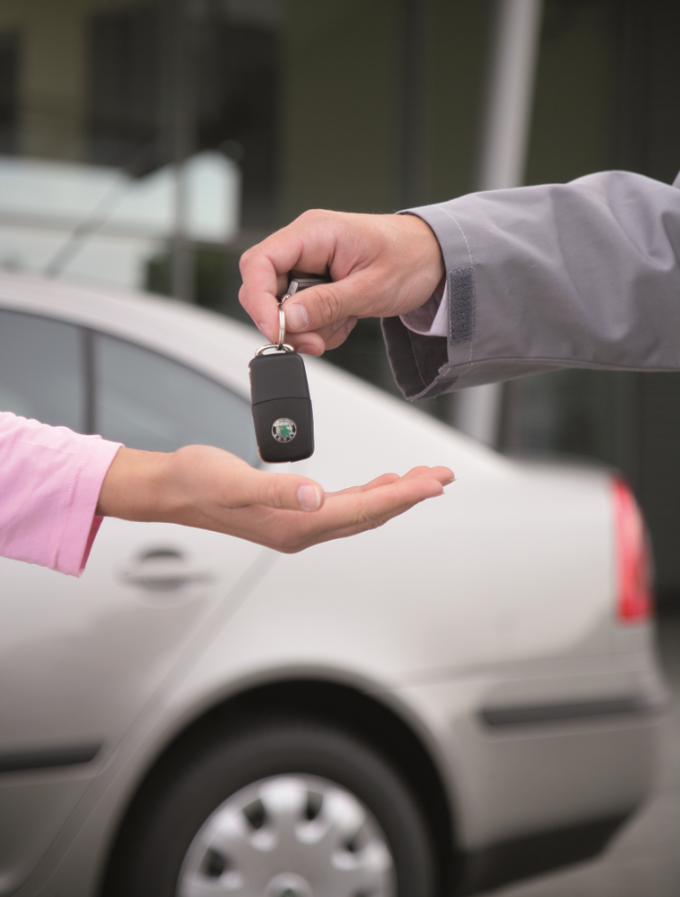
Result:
x=50 y=479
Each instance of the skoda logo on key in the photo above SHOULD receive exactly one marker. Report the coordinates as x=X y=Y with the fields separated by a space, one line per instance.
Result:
x=284 y=429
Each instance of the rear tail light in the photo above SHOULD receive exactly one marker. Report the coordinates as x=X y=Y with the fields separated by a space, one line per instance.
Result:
x=634 y=600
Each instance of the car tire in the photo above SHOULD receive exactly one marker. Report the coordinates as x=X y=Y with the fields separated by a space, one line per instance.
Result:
x=279 y=809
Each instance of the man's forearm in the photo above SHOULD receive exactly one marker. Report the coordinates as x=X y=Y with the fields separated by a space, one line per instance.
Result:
x=585 y=274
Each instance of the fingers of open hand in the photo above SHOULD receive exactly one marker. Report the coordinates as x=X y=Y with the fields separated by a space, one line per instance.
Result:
x=385 y=479
x=358 y=509
x=443 y=475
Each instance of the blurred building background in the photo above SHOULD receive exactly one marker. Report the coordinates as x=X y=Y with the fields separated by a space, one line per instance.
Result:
x=146 y=143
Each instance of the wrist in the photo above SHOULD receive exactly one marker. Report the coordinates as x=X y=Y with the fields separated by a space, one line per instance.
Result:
x=425 y=262
x=138 y=486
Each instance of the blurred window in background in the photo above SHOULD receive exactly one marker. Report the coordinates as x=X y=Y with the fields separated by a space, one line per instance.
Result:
x=137 y=134
x=124 y=86
x=145 y=144
x=42 y=370
x=9 y=92
x=151 y=402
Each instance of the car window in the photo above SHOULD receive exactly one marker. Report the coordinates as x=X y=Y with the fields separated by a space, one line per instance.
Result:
x=41 y=369
x=148 y=401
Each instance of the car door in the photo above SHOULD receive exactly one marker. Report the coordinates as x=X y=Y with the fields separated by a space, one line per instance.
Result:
x=81 y=658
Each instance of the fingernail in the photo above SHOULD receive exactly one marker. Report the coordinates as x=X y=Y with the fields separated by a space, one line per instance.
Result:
x=309 y=498
x=264 y=328
x=296 y=317
x=307 y=350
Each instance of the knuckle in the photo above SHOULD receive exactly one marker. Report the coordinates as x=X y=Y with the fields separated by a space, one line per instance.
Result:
x=245 y=259
x=312 y=214
x=372 y=522
x=273 y=495
x=364 y=520
x=243 y=296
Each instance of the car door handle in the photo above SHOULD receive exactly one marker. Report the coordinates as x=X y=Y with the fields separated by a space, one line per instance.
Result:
x=164 y=570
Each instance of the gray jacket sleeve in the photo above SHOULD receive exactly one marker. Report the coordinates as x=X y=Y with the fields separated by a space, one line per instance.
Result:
x=585 y=274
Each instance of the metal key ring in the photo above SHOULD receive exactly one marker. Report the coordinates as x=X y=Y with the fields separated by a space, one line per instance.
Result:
x=282 y=320
x=282 y=325
x=283 y=347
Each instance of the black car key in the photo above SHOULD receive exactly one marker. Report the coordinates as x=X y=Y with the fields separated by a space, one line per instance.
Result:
x=282 y=408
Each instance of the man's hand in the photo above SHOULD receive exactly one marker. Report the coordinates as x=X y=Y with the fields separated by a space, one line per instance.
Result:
x=208 y=488
x=381 y=266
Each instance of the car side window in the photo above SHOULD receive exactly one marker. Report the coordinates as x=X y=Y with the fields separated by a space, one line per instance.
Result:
x=41 y=369
x=148 y=401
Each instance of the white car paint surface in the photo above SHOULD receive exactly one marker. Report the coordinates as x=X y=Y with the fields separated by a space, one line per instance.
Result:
x=500 y=594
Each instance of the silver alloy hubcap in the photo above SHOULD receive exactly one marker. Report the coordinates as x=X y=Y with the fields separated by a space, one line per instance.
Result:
x=288 y=884
x=289 y=836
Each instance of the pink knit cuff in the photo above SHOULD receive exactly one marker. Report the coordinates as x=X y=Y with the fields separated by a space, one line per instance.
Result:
x=50 y=479
x=81 y=524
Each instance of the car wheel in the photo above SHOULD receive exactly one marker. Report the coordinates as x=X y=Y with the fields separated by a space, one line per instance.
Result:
x=281 y=809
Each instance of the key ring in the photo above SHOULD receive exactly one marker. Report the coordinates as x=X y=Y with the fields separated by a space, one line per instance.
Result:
x=298 y=283
x=283 y=347
x=282 y=321
x=292 y=289
x=280 y=345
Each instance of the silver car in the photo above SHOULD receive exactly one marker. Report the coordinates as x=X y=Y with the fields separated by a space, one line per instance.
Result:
x=466 y=696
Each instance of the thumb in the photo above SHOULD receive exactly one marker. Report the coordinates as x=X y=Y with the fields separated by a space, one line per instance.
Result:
x=318 y=307
x=282 y=491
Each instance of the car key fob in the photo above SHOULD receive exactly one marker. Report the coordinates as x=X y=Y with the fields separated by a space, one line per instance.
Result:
x=282 y=408
x=281 y=405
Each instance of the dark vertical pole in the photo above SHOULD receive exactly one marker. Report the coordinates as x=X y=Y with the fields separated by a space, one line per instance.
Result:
x=182 y=146
x=414 y=155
